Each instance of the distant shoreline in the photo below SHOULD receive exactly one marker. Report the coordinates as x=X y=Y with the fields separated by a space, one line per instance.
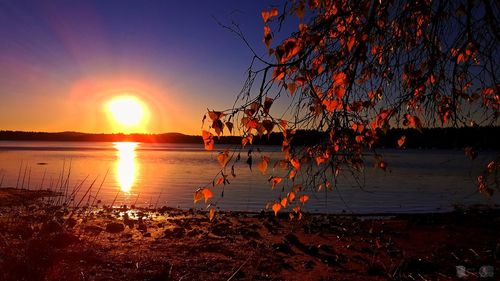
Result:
x=478 y=137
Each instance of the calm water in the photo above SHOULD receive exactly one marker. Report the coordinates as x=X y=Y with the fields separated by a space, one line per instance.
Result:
x=168 y=174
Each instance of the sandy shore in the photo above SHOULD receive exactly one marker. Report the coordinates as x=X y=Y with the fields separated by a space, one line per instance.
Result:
x=42 y=242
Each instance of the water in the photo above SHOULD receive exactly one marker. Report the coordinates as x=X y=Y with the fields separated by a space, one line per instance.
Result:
x=169 y=174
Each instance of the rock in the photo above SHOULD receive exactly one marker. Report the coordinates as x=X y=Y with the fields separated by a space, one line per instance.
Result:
x=176 y=232
x=115 y=227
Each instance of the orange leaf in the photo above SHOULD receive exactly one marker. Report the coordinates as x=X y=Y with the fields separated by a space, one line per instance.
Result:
x=208 y=140
x=401 y=141
x=275 y=181
x=321 y=159
x=263 y=164
x=223 y=158
x=283 y=202
x=211 y=214
x=340 y=79
x=276 y=208
x=332 y=105
x=295 y=163
x=207 y=193
x=247 y=139
x=303 y=199
x=198 y=195
x=351 y=42
x=291 y=196
x=266 y=15
x=268 y=38
x=293 y=173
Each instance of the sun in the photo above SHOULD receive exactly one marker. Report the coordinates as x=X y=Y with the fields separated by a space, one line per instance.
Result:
x=127 y=112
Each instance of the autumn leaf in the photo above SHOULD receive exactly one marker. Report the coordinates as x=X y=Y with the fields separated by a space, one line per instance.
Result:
x=207 y=193
x=292 y=175
x=412 y=121
x=351 y=42
x=215 y=115
x=276 y=208
x=278 y=73
x=263 y=164
x=268 y=38
x=266 y=15
x=198 y=195
x=340 y=79
x=295 y=163
x=268 y=125
x=208 y=140
x=283 y=202
x=303 y=199
x=246 y=140
x=321 y=159
x=218 y=126
x=223 y=157
x=332 y=105
x=274 y=181
x=401 y=141
x=211 y=214
x=291 y=196
x=267 y=104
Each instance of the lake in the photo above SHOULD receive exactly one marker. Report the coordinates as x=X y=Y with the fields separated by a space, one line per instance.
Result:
x=169 y=174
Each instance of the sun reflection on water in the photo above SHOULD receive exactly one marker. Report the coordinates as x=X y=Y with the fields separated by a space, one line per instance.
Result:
x=126 y=167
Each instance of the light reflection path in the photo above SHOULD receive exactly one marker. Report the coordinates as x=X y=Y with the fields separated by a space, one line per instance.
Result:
x=126 y=167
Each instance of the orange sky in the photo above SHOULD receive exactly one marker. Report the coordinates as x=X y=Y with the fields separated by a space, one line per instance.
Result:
x=60 y=63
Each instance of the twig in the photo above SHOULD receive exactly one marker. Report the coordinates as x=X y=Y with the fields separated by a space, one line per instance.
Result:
x=239 y=268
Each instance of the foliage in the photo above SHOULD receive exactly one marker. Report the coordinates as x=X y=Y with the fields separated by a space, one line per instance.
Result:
x=354 y=69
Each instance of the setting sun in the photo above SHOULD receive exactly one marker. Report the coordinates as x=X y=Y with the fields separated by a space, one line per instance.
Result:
x=128 y=113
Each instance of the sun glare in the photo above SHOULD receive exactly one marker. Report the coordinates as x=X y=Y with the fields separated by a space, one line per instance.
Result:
x=128 y=113
x=126 y=167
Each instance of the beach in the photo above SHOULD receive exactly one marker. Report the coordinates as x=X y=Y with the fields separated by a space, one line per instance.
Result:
x=40 y=241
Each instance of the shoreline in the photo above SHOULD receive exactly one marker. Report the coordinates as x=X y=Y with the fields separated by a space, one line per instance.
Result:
x=43 y=242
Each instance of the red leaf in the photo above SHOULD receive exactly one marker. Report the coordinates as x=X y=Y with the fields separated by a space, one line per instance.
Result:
x=303 y=198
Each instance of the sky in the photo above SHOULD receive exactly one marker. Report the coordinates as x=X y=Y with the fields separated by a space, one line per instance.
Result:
x=62 y=61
